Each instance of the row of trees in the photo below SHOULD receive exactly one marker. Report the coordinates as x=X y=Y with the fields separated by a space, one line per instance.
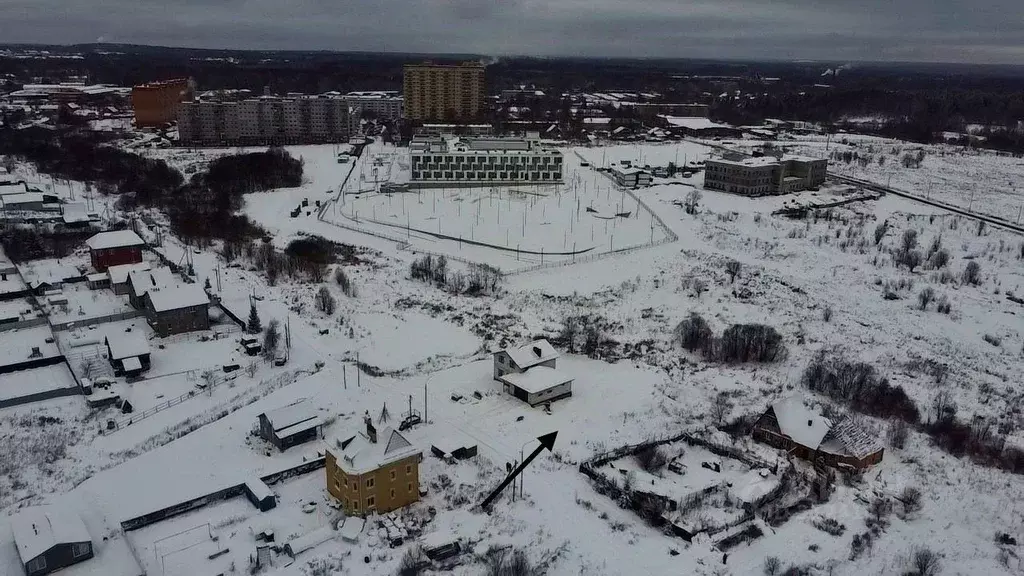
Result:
x=479 y=279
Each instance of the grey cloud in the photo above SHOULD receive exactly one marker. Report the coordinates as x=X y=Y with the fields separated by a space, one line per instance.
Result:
x=981 y=31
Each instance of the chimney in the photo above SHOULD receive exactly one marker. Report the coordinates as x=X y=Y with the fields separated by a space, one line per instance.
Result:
x=537 y=352
x=34 y=529
x=371 y=432
x=810 y=422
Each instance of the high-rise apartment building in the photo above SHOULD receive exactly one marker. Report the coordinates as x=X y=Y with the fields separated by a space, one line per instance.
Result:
x=266 y=120
x=451 y=93
x=157 y=103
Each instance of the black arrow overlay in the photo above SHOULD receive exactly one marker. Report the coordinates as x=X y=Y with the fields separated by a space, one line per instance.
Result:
x=546 y=441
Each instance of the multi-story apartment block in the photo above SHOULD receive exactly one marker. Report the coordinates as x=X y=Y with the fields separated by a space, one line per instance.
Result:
x=157 y=103
x=383 y=105
x=266 y=120
x=483 y=162
x=370 y=474
x=444 y=92
x=765 y=175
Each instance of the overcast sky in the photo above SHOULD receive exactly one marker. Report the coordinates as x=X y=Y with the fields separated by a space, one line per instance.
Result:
x=979 y=31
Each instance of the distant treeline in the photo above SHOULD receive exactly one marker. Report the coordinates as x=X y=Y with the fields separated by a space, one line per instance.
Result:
x=202 y=209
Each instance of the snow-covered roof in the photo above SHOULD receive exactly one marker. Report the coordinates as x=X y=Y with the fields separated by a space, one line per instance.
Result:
x=626 y=170
x=117 y=239
x=288 y=416
x=119 y=273
x=536 y=379
x=259 y=488
x=750 y=162
x=126 y=344
x=176 y=297
x=532 y=354
x=132 y=364
x=39 y=528
x=847 y=438
x=143 y=279
x=359 y=455
x=24 y=198
x=310 y=539
x=694 y=122
x=803 y=425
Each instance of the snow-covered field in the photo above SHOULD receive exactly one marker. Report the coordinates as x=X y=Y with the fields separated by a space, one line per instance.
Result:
x=427 y=344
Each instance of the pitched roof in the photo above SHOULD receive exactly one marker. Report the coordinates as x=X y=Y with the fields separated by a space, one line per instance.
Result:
x=117 y=239
x=536 y=379
x=292 y=414
x=358 y=455
x=176 y=297
x=39 y=528
x=847 y=438
x=126 y=344
x=803 y=425
x=532 y=354
x=143 y=279
x=119 y=273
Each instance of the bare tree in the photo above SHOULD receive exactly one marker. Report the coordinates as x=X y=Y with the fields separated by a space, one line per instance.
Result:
x=732 y=268
x=270 y=339
x=911 y=499
x=325 y=301
x=209 y=378
x=897 y=433
x=925 y=297
x=721 y=406
x=692 y=201
x=251 y=368
x=772 y=566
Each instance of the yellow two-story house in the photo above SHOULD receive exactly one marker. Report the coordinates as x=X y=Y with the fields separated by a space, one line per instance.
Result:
x=368 y=474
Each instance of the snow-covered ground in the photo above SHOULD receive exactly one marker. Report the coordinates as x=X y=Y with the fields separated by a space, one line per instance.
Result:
x=427 y=344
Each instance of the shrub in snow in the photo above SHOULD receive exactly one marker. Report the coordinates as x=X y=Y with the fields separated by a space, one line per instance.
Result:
x=651 y=458
x=829 y=525
x=772 y=566
x=750 y=343
x=925 y=297
x=858 y=385
x=911 y=499
x=509 y=562
x=880 y=231
x=826 y=314
x=993 y=340
x=972 y=273
x=413 y=563
x=943 y=306
x=925 y=562
x=694 y=333
x=939 y=259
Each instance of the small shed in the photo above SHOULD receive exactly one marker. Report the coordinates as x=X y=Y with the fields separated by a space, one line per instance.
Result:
x=128 y=352
x=289 y=425
x=251 y=345
x=309 y=540
x=261 y=496
x=98 y=280
x=538 y=385
x=49 y=538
